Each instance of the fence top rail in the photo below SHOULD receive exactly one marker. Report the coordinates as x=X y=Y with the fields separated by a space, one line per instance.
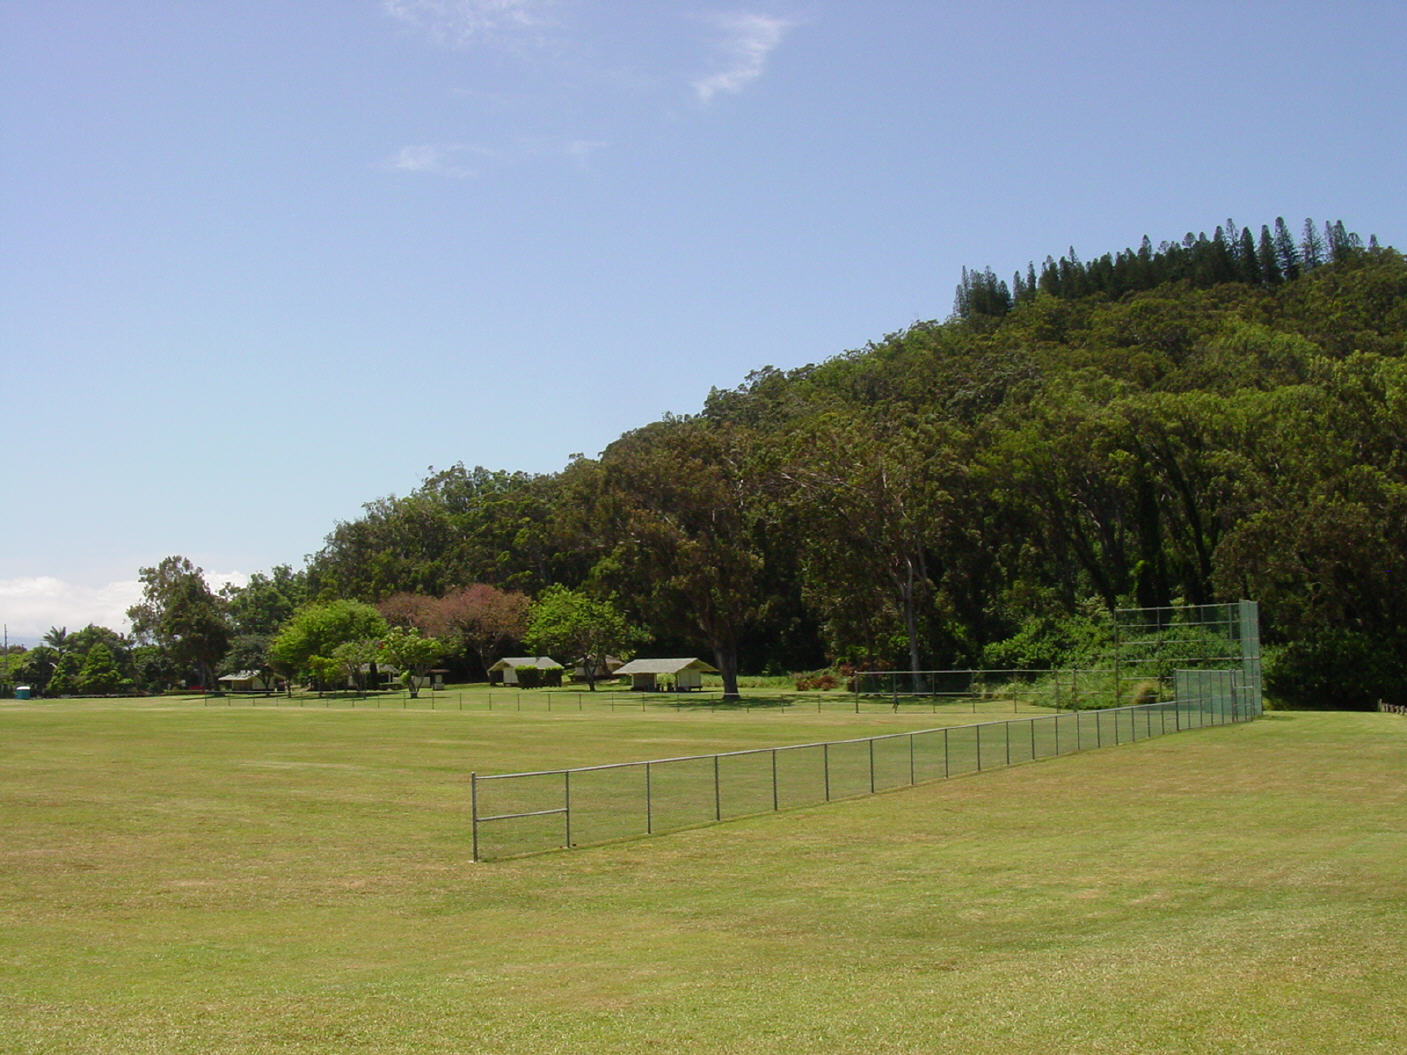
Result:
x=988 y=670
x=1213 y=606
x=824 y=743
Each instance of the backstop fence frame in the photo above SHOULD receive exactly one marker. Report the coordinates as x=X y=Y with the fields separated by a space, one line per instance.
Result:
x=1152 y=644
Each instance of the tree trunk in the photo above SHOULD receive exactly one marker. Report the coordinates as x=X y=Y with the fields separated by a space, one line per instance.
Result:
x=726 y=656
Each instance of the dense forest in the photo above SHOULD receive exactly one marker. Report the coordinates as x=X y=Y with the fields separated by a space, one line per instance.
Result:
x=1203 y=420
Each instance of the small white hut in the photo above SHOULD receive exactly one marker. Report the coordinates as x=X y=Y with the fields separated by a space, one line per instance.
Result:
x=682 y=674
x=247 y=681
x=506 y=669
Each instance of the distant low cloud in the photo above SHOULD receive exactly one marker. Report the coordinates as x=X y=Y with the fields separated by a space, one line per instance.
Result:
x=29 y=607
x=458 y=23
x=748 y=41
x=32 y=605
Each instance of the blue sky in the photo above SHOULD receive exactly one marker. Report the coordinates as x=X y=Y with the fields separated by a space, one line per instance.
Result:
x=263 y=262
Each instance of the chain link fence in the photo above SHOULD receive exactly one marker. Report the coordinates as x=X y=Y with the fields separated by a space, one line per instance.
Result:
x=1076 y=689
x=521 y=813
x=1062 y=689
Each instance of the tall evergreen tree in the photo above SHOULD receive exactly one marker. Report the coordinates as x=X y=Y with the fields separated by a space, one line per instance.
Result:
x=1268 y=259
x=1312 y=246
x=1287 y=254
x=1248 y=259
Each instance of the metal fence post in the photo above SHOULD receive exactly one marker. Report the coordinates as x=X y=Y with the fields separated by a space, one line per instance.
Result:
x=717 y=793
x=979 y=748
x=871 y=765
x=474 y=812
x=945 y=753
x=826 y=767
x=649 y=807
x=775 y=801
x=911 y=759
x=567 y=803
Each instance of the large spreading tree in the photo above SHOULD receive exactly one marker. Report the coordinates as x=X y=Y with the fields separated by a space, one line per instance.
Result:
x=179 y=612
x=684 y=510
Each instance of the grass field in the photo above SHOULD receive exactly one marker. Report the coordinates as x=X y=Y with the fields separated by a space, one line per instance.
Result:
x=182 y=878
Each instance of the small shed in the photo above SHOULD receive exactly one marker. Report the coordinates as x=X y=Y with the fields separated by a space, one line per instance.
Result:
x=506 y=669
x=682 y=674
x=247 y=681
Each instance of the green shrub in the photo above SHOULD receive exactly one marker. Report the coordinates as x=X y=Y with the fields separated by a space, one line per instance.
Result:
x=528 y=677
x=1045 y=641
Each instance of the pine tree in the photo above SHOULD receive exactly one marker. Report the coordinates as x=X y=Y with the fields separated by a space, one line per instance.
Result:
x=1247 y=258
x=1266 y=257
x=1287 y=254
x=1312 y=246
x=1221 y=265
x=1342 y=243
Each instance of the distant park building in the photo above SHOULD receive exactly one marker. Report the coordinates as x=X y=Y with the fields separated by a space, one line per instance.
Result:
x=680 y=675
x=248 y=681
x=505 y=671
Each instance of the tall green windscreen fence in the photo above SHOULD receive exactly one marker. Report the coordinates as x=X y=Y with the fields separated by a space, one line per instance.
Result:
x=1146 y=647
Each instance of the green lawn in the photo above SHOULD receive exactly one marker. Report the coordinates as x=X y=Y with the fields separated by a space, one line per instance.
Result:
x=182 y=878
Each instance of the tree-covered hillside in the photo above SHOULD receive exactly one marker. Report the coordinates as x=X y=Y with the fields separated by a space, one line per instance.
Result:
x=1214 y=418
x=1210 y=419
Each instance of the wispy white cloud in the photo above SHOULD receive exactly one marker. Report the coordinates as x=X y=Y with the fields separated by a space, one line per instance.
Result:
x=578 y=150
x=748 y=41
x=431 y=159
x=459 y=23
x=449 y=160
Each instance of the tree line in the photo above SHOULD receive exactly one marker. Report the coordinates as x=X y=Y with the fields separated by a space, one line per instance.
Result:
x=1231 y=254
x=1215 y=418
